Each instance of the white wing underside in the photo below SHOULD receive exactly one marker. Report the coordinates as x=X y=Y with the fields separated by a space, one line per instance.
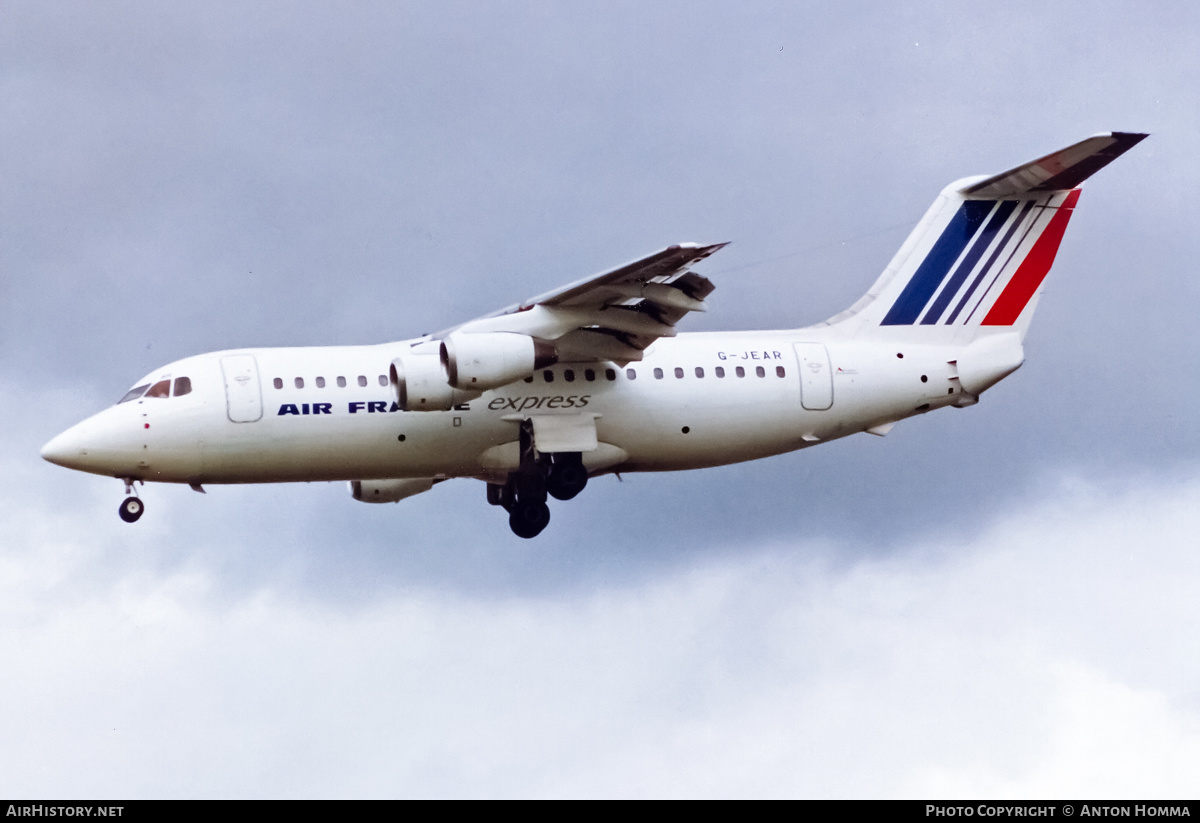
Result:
x=612 y=316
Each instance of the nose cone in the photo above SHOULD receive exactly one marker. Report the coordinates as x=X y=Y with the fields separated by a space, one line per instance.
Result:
x=107 y=443
x=67 y=450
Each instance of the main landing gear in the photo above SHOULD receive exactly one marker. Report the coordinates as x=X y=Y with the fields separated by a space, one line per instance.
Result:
x=566 y=476
x=131 y=507
x=523 y=495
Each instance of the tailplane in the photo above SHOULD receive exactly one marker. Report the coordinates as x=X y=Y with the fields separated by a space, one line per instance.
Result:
x=976 y=261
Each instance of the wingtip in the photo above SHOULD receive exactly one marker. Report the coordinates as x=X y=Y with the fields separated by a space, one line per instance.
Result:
x=701 y=246
x=1123 y=141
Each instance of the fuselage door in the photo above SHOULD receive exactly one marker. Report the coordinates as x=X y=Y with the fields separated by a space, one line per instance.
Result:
x=816 y=378
x=243 y=394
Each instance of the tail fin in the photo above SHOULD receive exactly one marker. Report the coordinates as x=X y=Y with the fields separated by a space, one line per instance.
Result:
x=978 y=257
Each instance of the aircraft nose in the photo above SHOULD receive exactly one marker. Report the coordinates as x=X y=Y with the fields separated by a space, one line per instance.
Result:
x=105 y=443
x=65 y=450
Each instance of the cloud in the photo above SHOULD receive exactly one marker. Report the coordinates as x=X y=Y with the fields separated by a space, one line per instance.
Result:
x=1048 y=654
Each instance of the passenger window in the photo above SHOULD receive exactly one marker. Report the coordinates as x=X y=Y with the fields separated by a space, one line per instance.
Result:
x=362 y=380
x=779 y=372
x=383 y=379
x=160 y=389
x=658 y=374
x=699 y=372
x=611 y=374
x=589 y=375
x=740 y=372
x=548 y=376
x=320 y=382
x=341 y=382
x=299 y=382
x=183 y=385
x=760 y=371
x=631 y=374
x=569 y=376
x=678 y=373
x=134 y=393
x=720 y=370
x=277 y=382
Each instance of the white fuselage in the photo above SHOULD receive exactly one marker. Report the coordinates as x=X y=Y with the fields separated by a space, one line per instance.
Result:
x=303 y=414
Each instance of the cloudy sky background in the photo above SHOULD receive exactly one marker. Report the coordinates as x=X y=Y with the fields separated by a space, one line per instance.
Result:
x=997 y=601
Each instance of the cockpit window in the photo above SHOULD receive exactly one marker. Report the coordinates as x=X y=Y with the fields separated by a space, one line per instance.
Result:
x=134 y=393
x=183 y=385
x=160 y=389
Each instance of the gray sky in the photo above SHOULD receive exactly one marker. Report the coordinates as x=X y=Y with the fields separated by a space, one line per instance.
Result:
x=993 y=601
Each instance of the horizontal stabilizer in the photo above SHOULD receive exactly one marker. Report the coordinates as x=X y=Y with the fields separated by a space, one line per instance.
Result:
x=1064 y=169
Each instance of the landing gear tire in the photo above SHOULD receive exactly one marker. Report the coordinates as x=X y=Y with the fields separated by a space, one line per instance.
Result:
x=528 y=519
x=567 y=477
x=131 y=509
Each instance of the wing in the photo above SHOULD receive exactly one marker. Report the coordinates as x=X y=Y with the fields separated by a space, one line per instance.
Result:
x=612 y=316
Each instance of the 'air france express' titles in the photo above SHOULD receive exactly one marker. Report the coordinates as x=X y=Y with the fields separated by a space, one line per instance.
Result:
x=524 y=403
x=594 y=378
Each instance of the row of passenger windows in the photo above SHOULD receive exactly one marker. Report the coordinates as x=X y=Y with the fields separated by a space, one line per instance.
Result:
x=183 y=385
x=569 y=375
x=320 y=381
x=719 y=371
x=631 y=374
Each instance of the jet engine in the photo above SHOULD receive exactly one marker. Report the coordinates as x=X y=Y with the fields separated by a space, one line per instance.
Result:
x=389 y=491
x=481 y=361
x=419 y=384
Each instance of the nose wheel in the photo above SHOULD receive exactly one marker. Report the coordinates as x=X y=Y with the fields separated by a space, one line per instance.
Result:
x=131 y=509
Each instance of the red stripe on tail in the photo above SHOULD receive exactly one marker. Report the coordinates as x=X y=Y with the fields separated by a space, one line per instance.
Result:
x=1033 y=269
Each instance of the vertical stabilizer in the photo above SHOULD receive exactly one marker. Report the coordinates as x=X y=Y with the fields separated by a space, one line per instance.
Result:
x=976 y=262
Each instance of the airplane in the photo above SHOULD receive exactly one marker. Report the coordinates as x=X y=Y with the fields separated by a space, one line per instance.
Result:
x=592 y=378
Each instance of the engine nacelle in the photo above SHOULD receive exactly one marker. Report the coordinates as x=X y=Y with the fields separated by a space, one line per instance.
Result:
x=482 y=361
x=389 y=491
x=419 y=384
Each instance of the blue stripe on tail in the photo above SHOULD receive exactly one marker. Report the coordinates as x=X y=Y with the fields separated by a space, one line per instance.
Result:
x=933 y=268
x=968 y=262
x=991 y=261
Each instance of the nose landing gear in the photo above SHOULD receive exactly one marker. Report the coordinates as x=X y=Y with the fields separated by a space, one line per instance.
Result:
x=131 y=507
